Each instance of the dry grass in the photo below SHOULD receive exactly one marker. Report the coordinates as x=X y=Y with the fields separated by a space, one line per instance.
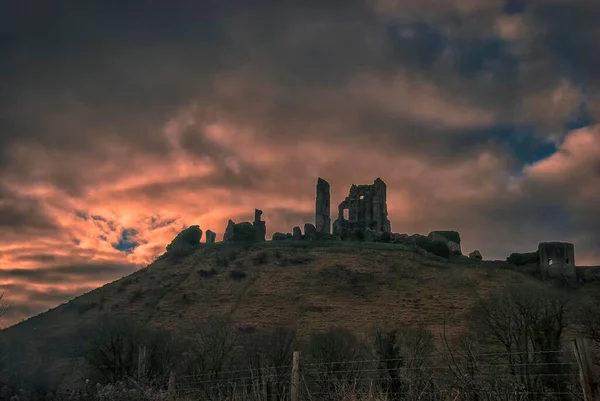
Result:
x=311 y=286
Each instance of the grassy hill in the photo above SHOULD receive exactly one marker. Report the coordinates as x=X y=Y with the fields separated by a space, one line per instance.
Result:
x=306 y=285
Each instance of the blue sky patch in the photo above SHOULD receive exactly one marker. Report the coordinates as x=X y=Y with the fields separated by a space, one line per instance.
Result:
x=525 y=145
x=521 y=141
x=127 y=244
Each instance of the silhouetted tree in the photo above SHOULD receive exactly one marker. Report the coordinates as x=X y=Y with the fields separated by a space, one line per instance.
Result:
x=111 y=348
x=402 y=355
x=526 y=322
x=209 y=350
x=337 y=359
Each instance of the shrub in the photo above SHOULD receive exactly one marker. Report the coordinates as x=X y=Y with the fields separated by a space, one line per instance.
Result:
x=336 y=355
x=222 y=260
x=135 y=296
x=260 y=258
x=296 y=260
x=207 y=273
x=385 y=237
x=237 y=275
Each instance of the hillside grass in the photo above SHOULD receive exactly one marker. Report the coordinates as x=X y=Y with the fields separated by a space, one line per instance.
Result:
x=306 y=285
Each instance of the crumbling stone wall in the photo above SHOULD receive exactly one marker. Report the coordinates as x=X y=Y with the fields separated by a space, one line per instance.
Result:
x=323 y=207
x=259 y=226
x=367 y=209
x=557 y=260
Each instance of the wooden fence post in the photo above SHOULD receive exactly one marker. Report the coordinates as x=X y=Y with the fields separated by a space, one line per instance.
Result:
x=171 y=385
x=141 y=362
x=295 y=385
x=589 y=383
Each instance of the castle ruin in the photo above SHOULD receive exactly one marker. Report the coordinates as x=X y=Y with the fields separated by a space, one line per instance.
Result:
x=366 y=208
x=557 y=260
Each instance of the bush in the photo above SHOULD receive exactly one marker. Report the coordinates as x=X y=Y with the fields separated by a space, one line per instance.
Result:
x=260 y=258
x=340 y=274
x=338 y=359
x=296 y=260
x=421 y=241
x=520 y=259
x=385 y=237
x=207 y=273
x=137 y=294
x=222 y=260
x=237 y=275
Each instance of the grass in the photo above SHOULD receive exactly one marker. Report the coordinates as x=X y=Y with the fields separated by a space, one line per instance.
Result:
x=309 y=285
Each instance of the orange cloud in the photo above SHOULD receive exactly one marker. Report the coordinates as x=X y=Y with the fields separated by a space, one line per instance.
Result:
x=213 y=120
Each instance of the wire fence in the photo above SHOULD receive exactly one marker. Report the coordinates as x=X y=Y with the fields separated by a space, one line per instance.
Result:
x=422 y=379
x=518 y=376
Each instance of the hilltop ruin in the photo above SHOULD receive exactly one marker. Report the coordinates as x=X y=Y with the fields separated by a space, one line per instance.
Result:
x=367 y=210
x=363 y=216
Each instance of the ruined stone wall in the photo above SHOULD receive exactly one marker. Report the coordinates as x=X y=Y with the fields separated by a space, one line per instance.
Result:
x=367 y=209
x=557 y=260
x=323 y=207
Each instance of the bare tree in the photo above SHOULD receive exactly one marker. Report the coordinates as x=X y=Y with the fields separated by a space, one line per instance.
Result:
x=209 y=350
x=402 y=355
x=269 y=357
x=111 y=349
x=526 y=324
x=588 y=318
x=337 y=358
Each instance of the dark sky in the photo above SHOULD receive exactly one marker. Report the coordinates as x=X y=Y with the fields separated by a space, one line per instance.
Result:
x=121 y=122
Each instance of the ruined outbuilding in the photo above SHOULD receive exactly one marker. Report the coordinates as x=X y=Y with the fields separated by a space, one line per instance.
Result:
x=186 y=241
x=557 y=260
x=366 y=208
x=323 y=207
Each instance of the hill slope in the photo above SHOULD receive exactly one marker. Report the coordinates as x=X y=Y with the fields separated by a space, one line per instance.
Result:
x=307 y=285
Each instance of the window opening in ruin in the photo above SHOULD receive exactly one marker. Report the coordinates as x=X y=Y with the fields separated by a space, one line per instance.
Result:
x=346 y=214
x=550 y=261
x=361 y=197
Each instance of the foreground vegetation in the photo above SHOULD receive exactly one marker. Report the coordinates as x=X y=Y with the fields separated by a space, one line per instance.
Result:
x=369 y=320
x=513 y=348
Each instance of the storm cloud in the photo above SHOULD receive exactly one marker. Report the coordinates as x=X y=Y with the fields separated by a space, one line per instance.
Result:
x=123 y=122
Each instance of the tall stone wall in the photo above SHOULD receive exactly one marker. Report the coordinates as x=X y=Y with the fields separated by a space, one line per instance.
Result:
x=367 y=209
x=323 y=207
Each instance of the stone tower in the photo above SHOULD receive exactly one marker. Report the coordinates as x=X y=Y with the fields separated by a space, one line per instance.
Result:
x=323 y=207
x=557 y=260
